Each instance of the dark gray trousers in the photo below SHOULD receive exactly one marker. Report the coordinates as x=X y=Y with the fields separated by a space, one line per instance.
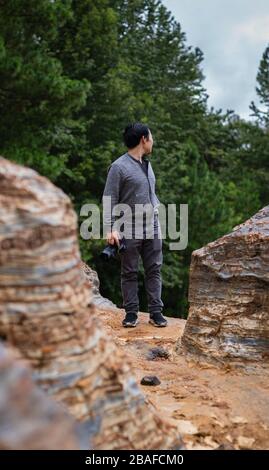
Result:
x=150 y=251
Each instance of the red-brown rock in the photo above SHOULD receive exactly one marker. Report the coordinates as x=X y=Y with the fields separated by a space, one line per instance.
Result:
x=228 y=320
x=44 y=313
x=28 y=418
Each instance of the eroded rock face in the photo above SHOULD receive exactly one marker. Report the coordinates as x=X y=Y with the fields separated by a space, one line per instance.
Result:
x=94 y=284
x=228 y=320
x=39 y=255
x=28 y=418
x=44 y=313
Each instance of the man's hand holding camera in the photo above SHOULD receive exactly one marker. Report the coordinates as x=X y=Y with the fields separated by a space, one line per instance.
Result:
x=115 y=245
x=113 y=238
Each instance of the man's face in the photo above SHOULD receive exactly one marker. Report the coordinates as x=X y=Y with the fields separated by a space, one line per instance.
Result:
x=148 y=144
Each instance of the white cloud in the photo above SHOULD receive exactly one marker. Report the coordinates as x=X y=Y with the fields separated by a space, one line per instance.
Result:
x=255 y=30
x=233 y=35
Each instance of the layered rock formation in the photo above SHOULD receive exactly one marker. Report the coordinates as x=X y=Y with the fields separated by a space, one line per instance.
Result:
x=94 y=284
x=228 y=320
x=28 y=419
x=43 y=313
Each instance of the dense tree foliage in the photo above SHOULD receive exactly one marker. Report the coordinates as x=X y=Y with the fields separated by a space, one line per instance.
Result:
x=73 y=73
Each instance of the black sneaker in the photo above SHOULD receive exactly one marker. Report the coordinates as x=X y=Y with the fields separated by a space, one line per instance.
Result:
x=130 y=320
x=157 y=320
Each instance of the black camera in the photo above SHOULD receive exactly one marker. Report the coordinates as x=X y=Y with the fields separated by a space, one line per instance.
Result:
x=110 y=251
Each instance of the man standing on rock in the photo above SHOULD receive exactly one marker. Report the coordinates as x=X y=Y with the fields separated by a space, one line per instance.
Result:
x=131 y=181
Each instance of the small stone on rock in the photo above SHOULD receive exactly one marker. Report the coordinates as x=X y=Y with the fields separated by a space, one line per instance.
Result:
x=150 y=380
x=154 y=353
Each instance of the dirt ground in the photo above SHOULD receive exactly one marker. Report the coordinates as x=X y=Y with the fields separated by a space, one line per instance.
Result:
x=212 y=408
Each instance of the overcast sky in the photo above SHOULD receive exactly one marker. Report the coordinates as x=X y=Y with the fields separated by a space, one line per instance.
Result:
x=233 y=35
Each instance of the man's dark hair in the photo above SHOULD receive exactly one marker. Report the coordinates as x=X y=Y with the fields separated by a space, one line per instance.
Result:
x=133 y=133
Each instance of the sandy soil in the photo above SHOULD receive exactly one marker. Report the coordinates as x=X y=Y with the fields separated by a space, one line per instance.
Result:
x=211 y=407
